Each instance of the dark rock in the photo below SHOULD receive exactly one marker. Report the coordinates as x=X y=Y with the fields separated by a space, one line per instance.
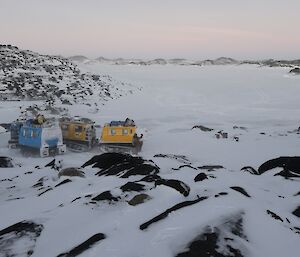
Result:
x=19 y=239
x=210 y=167
x=274 y=215
x=54 y=165
x=296 y=212
x=290 y=165
x=83 y=246
x=63 y=182
x=16 y=198
x=295 y=71
x=200 y=177
x=221 y=134
x=38 y=184
x=6 y=162
x=235 y=138
x=185 y=166
x=142 y=169
x=107 y=160
x=176 y=184
x=220 y=194
x=77 y=198
x=105 y=196
x=122 y=165
x=250 y=170
x=240 y=190
x=50 y=164
x=296 y=230
x=287 y=174
x=139 y=199
x=208 y=243
x=202 y=128
x=237 y=127
x=151 y=178
x=71 y=172
x=47 y=190
x=168 y=211
x=180 y=158
x=132 y=186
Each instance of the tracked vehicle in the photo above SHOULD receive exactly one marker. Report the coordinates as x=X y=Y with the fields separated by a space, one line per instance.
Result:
x=79 y=134
x=37 y=136
x=121 y=136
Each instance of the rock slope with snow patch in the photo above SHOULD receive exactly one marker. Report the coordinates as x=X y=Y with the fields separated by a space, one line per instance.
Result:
x=25 y=75
x=129 y=206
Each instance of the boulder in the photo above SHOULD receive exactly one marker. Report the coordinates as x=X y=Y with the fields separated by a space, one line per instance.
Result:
x=71 y=172
x=6 y=162
x=139 y=199
x=295 y=71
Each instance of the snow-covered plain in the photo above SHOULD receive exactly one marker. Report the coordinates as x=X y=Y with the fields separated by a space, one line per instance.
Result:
x=259 y=108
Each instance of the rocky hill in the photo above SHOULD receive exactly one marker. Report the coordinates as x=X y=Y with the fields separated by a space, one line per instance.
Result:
x=180 y=61
x=26 y=75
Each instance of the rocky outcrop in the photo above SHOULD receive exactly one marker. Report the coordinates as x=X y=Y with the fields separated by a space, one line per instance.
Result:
x=6 y=162
x=225 y=240
x=79 y=249
x=290 y=165
x=19 y=239
x=295 y=71
x=122 y=165
x=26 y=75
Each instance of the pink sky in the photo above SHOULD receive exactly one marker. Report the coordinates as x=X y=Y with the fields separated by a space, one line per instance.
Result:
x=194 y=29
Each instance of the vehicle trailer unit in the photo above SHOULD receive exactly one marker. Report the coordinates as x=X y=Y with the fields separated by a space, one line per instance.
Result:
x=79 y=134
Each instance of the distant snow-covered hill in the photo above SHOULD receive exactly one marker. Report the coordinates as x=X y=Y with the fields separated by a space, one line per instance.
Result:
x=181 y=61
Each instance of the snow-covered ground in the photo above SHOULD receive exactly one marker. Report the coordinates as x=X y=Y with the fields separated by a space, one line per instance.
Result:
x=258 y=108
x=176 y=98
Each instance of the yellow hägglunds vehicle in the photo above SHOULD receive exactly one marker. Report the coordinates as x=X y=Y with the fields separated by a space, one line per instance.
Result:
x=121 y=136
x=79 y=134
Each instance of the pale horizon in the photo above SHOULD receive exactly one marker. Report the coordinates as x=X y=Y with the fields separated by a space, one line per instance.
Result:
x=167 y=29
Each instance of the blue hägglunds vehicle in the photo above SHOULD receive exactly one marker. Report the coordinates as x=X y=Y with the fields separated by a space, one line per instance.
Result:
x=38 y=135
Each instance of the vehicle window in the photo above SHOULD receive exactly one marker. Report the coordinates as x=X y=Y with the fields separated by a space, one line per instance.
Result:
x=34 y=133
x=78 y=129
x=112 y=131
x=125 y=131
x=64 y=127
x=27 y=133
